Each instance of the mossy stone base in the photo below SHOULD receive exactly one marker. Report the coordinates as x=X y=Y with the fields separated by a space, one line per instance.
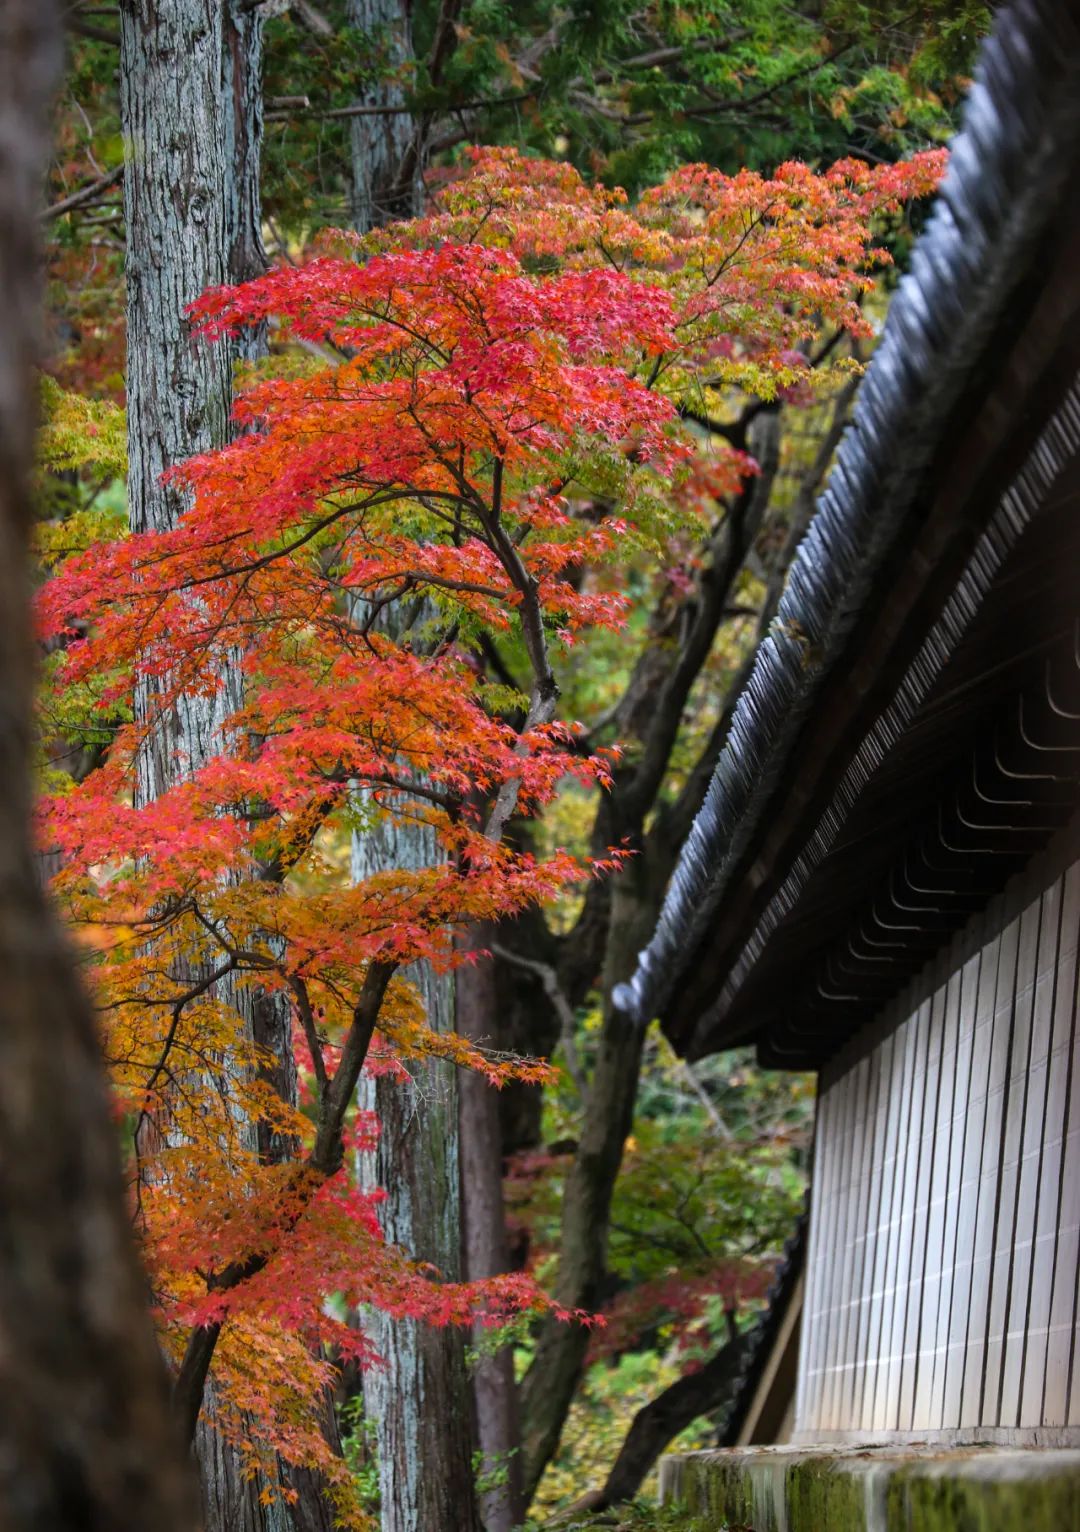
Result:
x=876 y=1489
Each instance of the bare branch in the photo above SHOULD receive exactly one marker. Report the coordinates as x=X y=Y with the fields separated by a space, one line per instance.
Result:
x=553 y=989
x=86 y=194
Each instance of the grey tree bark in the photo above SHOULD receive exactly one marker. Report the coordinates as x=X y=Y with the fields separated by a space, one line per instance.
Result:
x=192 y=114
x=419 y=1400
x=86 y=1437
x=386 y=168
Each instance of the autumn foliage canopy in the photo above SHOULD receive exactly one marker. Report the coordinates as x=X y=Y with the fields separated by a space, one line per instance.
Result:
x=464 y=424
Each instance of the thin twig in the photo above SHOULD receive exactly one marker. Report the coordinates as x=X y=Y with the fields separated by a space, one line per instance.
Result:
x=552 y=988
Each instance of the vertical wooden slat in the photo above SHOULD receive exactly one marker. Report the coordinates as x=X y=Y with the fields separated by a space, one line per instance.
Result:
x=907 y=1244
x=925 y=1088
x=885 y=1404
x=944 y=1279
x=877 y=1240
x=1040 y=1174
x=843 y=1128
x=862 y=1260
x=934 y=1162
x=956 y=1059
x=978 y=1009
x=807 y=1398
x=853 y=1088
x=1000 y=959
x=1061 y=1335
x=1008 y=1185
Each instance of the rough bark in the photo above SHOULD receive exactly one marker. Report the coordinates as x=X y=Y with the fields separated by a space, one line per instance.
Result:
x=192 y=115
x=484 y=1241
x=86 y=1439
x=419 y=1398
x=386 y=167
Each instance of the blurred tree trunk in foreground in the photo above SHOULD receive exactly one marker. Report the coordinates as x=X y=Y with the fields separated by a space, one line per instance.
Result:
x=86 y=1440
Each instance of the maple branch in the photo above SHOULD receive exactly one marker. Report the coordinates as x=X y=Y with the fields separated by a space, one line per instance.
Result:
x=415 y=577
x=726 y=553
x=324 y=1160
x=311 y=1031
x=674 y=821
x=326 y=1156
x=545 y=692
x=178 y=1006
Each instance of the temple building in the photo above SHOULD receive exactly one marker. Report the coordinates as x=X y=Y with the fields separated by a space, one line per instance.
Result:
x=884 y=883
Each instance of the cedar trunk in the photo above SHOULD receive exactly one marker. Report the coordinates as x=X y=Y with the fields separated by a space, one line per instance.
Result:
x=385 y=165
x=86 y=1439
x=419 y=1400
x=192 y=115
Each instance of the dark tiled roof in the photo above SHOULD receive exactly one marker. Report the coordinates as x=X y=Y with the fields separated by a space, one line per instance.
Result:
x=978 y=353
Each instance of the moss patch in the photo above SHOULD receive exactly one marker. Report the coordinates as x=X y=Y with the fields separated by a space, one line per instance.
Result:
x=1043 y=1501
x=876 y=1490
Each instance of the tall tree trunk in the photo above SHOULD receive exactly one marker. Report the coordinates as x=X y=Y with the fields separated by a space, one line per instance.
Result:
x=86 y=1439
x=386 y=168
x=419 y=1400
x=192 y=116
x=484 y=1240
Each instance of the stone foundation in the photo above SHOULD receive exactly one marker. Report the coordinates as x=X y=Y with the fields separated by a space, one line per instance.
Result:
x=876 y=1489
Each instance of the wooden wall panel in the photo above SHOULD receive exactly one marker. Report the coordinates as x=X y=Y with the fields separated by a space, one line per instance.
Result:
x=942 y=1282
x=1063 y=1317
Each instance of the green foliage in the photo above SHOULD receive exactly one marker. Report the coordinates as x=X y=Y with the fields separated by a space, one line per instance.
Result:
x=80 y=434
x=81 y=456
x=631 y=92
x=714 y=1175
x=489 y=1476
x=642 y=1515
x=609 y=1397
x=359 y=1446
x=626 y=91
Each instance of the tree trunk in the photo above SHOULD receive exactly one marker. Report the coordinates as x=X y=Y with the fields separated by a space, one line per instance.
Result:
x=86 y=1439
x=192 y=115
x=386 y=170
x=484 y=1241
x=418 y=1399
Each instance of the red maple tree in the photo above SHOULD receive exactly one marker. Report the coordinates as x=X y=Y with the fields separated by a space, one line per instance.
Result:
x=482 y=413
